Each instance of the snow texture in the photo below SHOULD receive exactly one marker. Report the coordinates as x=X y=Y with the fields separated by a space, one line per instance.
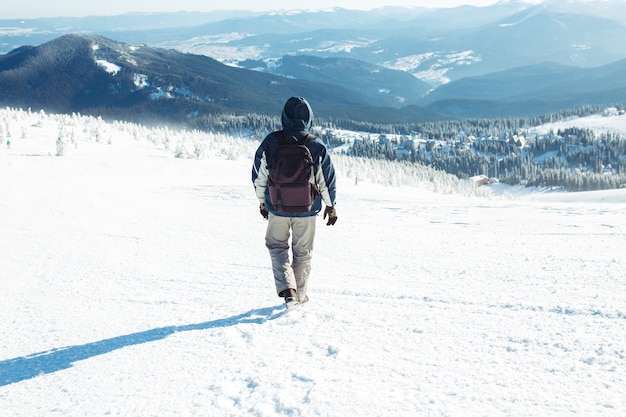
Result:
x=135 y=283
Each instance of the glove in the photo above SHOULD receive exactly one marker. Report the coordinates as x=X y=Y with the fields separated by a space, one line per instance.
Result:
x=332 y=215
x=263 y=211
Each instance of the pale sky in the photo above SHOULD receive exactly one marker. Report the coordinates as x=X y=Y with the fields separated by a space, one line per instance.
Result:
x=29 y=9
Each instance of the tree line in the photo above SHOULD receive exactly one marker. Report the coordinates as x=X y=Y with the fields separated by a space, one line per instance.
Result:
x=576 y=159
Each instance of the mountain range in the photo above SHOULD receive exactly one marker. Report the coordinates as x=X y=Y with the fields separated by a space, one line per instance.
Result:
x=384 y=65
x=91 y=74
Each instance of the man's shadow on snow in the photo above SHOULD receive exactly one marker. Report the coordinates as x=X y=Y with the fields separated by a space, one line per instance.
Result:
x=27 y=367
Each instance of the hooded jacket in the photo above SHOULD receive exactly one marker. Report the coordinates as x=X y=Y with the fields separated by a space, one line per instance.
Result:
x=297 y=118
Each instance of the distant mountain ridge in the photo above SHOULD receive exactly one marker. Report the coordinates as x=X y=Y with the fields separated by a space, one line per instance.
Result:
x=434 y=45
x=535 y=89
x=385 y=65
x=95 y=75
x=384 y=86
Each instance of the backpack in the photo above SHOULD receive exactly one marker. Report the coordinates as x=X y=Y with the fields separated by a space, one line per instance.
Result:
x=291 y=182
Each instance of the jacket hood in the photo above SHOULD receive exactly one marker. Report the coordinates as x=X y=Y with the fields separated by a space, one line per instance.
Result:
x=297 y=116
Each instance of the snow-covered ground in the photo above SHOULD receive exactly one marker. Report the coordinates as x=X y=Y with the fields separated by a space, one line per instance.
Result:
x=133 y=283
x=610 y=122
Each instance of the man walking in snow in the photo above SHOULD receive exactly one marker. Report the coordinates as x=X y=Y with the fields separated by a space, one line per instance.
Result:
x=291 y=277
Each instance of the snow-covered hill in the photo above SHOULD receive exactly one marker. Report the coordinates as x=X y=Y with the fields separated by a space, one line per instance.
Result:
x=135 y=283
x=609 y=122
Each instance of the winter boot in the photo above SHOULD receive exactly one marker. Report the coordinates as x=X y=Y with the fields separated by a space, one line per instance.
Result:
x=291 y=297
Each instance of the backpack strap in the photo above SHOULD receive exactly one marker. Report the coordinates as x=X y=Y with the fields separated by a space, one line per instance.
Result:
x=282 y=139
x=309 y=137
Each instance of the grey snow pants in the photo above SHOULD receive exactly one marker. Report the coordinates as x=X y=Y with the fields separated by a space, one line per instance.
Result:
x=290 y=274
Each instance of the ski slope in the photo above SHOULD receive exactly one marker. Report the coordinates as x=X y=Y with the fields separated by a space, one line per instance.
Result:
x=134 y=283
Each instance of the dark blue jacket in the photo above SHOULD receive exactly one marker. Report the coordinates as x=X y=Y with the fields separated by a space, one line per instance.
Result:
x=297 y=118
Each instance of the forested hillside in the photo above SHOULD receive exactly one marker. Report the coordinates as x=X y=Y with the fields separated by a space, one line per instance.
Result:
x=512 y=151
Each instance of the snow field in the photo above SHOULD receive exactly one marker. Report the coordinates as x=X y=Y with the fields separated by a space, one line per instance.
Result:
x=136 y=283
